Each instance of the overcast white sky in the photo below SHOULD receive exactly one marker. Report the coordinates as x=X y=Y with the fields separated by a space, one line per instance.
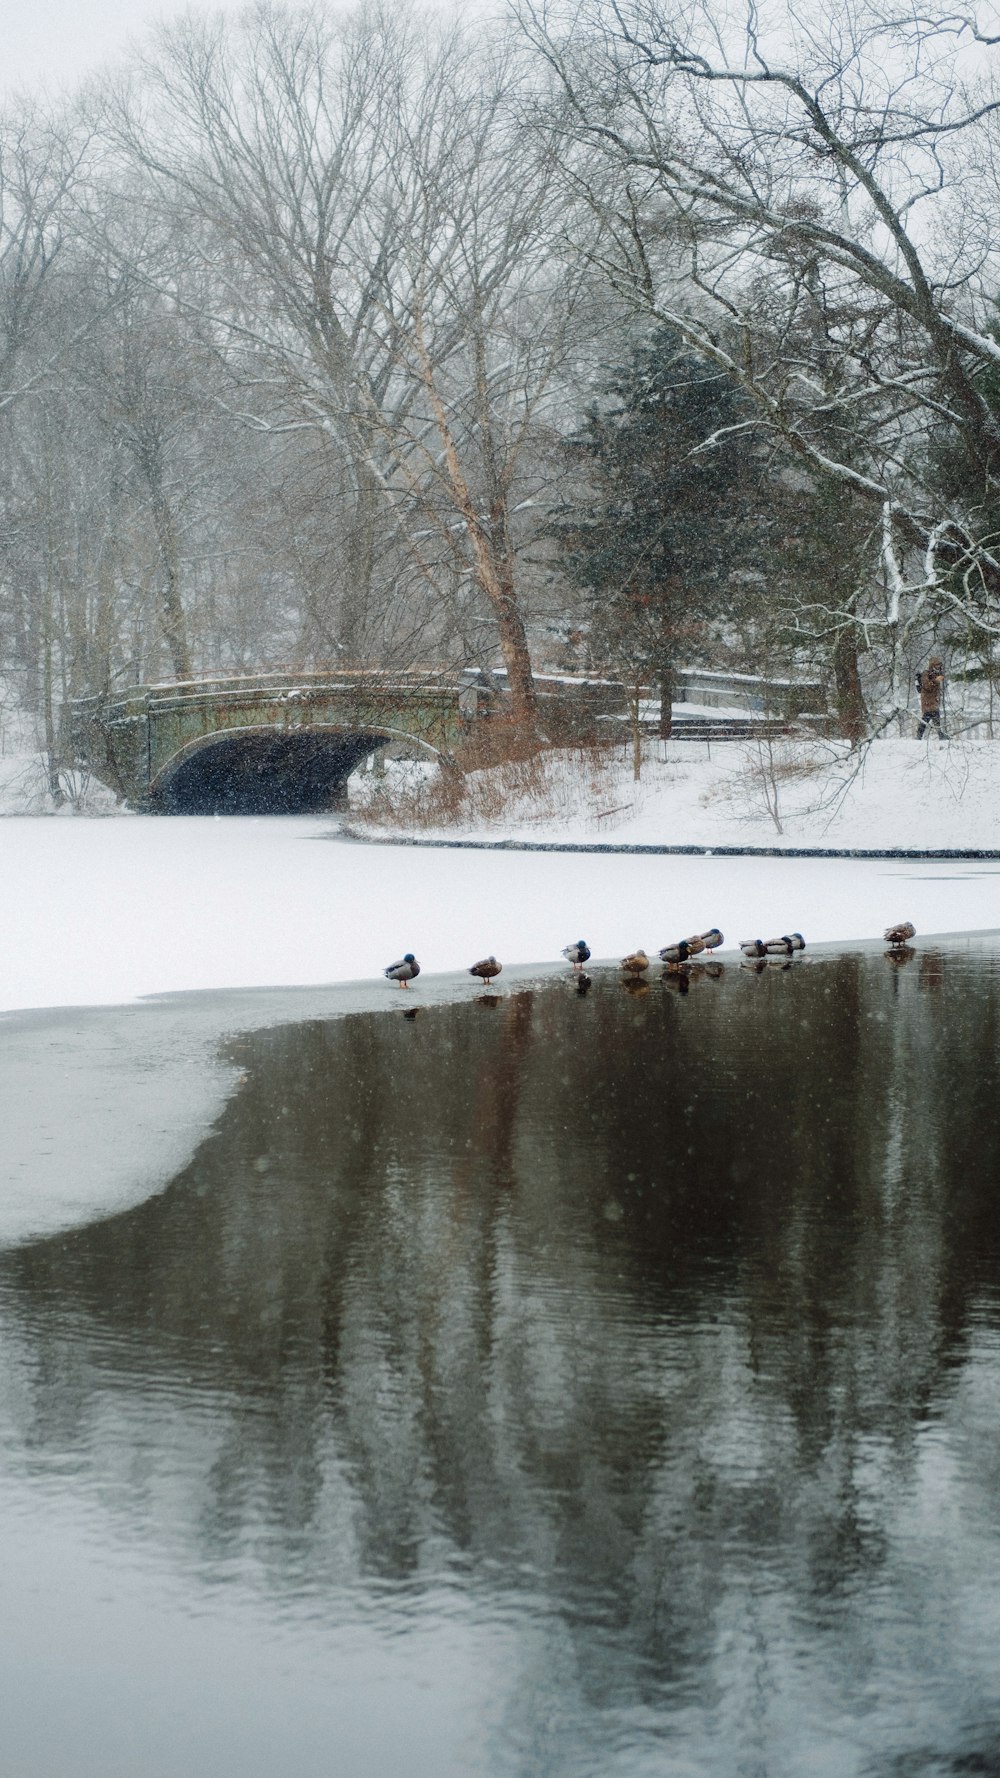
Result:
x=57 y=42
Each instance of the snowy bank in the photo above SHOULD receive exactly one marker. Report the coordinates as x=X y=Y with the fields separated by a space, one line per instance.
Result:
x=900 y=794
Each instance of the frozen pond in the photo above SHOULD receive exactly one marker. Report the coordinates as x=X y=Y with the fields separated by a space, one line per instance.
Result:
x=537 y=1386
x=102 y=911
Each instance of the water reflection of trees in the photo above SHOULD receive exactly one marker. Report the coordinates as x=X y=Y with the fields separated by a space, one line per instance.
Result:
x=617 y=1300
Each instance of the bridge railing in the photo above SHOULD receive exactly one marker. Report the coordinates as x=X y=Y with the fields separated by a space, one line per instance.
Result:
x=284 y=682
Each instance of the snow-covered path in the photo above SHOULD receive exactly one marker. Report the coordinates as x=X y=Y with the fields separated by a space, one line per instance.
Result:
x=98 y=912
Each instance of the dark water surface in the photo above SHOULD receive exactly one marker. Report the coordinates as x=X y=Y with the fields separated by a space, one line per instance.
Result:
x=549 y=1385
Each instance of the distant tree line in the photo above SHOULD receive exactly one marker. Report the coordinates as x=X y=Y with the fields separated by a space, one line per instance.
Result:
x=394 y=339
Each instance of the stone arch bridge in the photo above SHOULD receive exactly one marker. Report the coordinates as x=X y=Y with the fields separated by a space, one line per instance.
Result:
x=285 y=742
x=267 y=743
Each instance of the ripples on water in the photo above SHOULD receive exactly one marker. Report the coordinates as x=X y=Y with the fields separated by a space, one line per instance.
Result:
x=550 y=1385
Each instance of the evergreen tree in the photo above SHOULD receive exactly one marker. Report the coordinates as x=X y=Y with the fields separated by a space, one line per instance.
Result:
x=676 y=498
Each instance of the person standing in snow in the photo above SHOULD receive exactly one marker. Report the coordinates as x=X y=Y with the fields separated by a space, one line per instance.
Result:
x=929 y=684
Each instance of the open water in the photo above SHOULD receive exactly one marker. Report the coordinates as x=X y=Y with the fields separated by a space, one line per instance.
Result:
x=556 y=1385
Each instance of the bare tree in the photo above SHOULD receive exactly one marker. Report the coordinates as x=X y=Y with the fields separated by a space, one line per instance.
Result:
x=271 y=143
x=378 y=237
x=807 y=200
x=493 y=311
x=40 y=166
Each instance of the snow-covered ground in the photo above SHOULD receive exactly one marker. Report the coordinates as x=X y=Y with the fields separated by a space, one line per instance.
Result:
x=232 y=924
x=893 y=793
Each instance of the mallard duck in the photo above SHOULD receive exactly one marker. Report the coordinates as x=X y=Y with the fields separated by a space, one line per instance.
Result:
x=404 y=971
x=774 y=947
x=577 y=954
x=486 y=969
x=635 y=963
x=678 y=953
x=693 y=946
x=901 y=934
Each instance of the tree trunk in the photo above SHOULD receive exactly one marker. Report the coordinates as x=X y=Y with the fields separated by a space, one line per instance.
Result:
x=514 y=648
x=492 y=561
x=171 y=607
x=359 y=552
x=48 y=717
x=99 y=666
x=847 y=679
x=634 y=709
x=666 y=702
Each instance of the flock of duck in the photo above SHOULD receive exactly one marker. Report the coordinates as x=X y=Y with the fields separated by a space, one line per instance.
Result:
x=677 y=958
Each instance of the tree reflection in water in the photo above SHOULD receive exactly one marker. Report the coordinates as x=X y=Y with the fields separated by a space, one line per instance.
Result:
x=657 y=1327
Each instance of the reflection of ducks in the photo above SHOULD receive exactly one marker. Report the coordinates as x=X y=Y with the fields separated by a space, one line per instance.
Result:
x=634 y=984
x=492 y=1000
x=583 y=983
x=410 y=1012
x=901 y=934
x=404 y=971
x=486 y=969
x=900 y=954
x=577 y=954
x=683 y=976
x=635 y=963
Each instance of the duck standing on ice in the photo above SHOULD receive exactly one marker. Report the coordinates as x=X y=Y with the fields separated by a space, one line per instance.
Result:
x=577 y=954
x=635 y=964
x=404 y=971
x=900 y=934
x=486 y=969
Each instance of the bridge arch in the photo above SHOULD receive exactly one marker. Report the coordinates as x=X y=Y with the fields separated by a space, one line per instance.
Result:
x=255 y=770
